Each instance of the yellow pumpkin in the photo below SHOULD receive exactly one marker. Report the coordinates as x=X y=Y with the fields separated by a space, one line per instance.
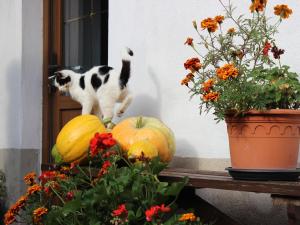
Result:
x=134 y=129
x=72 y=142
x=142 y=147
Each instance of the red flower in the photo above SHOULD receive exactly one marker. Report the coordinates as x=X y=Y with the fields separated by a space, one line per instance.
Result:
x=121 y=211
x=101 y=142
x=193 y=64
x=165 y=209
x=189 y=41
x=108 y=154
x=267 y=48
x=70 y=195
x=154 y=210
x=104 y=168
x=47 y=176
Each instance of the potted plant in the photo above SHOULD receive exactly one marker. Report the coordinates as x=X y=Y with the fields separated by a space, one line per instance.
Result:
x=238 y=74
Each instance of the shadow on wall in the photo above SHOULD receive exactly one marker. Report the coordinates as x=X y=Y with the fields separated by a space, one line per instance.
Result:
x=10 y=159
x=147 y=105
x=15 y=161
x=12 y=104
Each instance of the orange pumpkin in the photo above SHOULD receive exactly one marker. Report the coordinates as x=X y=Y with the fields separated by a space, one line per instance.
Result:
x=134 y=129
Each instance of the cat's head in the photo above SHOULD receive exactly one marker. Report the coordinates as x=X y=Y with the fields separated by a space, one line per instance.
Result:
x=63 y=79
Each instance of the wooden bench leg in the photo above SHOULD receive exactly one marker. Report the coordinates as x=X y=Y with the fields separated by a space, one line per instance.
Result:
x=293 y=212
x=207 y=212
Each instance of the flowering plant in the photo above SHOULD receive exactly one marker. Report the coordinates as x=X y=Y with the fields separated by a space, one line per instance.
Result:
x=239 y=69
x=110 y=190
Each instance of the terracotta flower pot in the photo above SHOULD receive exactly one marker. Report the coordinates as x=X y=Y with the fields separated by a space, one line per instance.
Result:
x=264 y=140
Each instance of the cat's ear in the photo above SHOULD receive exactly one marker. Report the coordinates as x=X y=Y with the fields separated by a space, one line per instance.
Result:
x=58 y=75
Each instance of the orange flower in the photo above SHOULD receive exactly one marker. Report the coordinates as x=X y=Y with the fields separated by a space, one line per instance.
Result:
x=283 y=11
x=258 y=5
x=38 y=213
x=228 y=70
x=188 y=217
x=33 y=189
x=19 y=204
x=219 y=19
x=9 y=218
x=30 y=178
x=193 y=64
x=231 y=30
x=210 y=24
x=207 y=85
x=211 y=96
x=187 y=79
x=189 y=41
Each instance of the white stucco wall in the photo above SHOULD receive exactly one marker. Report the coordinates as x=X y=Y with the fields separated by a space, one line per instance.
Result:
x=10 y=73
x=156 y=31
x=21 y=74
x=21 y=56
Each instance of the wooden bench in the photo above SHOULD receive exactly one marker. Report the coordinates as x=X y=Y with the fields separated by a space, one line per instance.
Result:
x=282 y=192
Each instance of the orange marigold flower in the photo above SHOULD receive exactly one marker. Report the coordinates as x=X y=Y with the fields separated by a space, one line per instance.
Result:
x=38 y=213
x=207 y=85
x=188 y=217
x=193 y=64
x=283 y=11
x=211 y=96
x=189 y=41
x=210 y=24
x=30 y=178
x=231 y=30
x=33 y=189
x=228 y=70
x=258 y=5
x=9 y=217
x=219 y=19
x=187 y=79
x=19 y=204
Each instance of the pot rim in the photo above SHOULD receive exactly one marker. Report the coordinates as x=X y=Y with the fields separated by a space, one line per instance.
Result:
x=269 y=112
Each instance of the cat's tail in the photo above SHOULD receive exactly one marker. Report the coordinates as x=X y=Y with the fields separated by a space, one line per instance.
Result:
x=126 y=64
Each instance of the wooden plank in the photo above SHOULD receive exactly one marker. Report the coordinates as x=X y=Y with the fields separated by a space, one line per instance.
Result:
x=220 y=180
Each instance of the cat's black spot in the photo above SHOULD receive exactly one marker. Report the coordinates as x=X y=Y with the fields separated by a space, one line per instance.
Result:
x=81 y=82
x=104 y=70
x=106 y=78
x=125 y=73
x=96 y=81
x=61 y=80
x=130 y=52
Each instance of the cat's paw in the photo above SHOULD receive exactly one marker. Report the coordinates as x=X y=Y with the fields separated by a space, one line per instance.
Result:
x=120 y=113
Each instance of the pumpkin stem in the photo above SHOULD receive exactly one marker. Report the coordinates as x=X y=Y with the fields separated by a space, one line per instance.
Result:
x=139 y=122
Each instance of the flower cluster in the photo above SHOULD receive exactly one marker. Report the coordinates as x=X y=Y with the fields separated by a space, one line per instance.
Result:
x=109 y=189
x=100 y=142
x=33 y=189
x=231 y=63
x=154 y=211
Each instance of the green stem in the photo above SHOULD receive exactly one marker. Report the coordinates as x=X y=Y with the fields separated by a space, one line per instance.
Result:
x=139 y=122
x=55 y=192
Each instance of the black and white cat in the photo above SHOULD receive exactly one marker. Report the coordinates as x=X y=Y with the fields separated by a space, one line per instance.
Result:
x=100 y=88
